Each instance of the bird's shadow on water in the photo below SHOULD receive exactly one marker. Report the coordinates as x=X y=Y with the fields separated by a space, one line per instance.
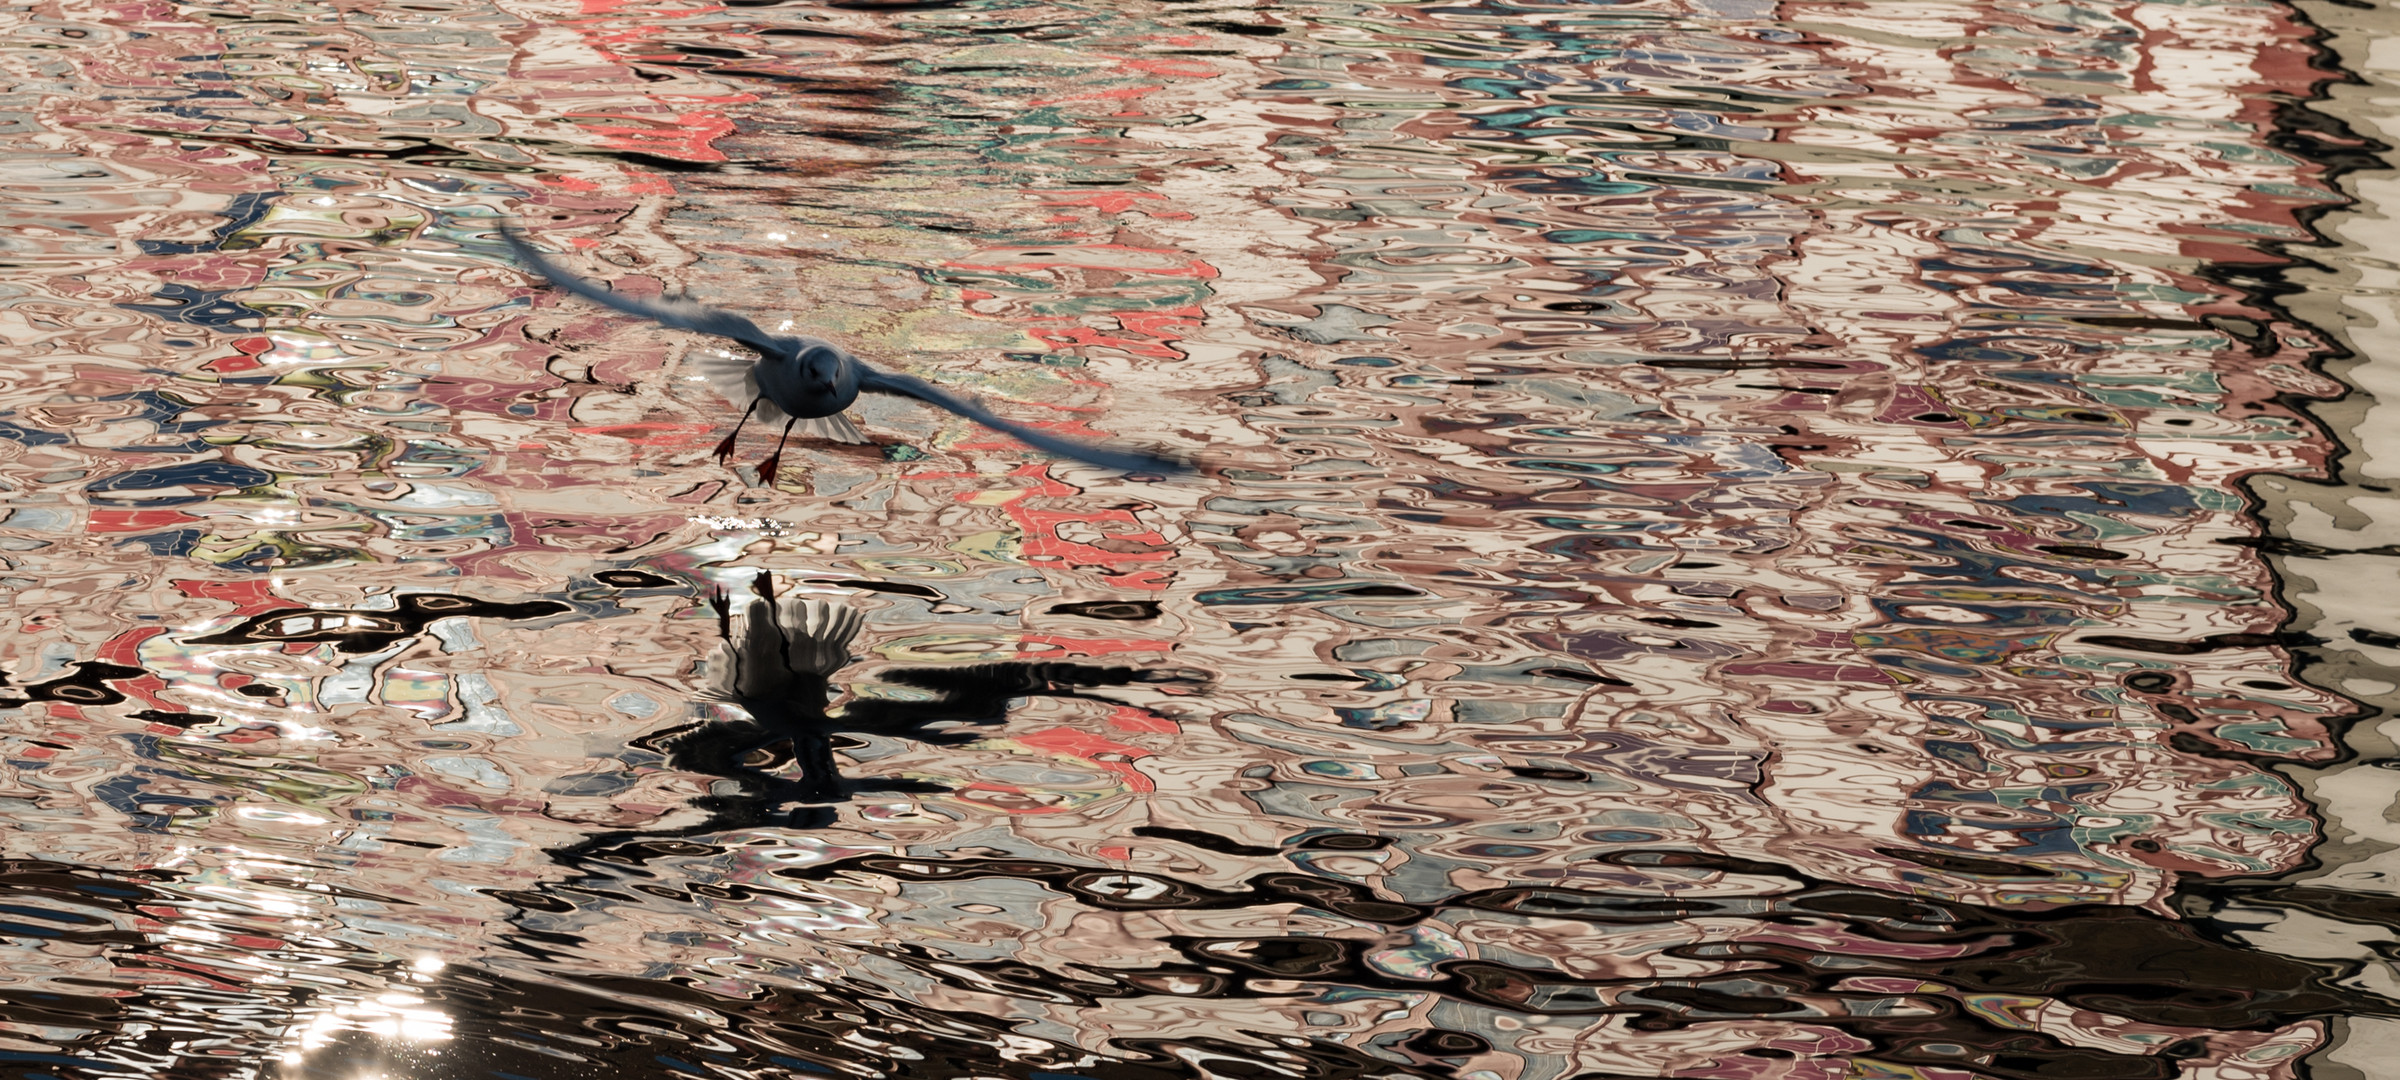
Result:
x=775 y=764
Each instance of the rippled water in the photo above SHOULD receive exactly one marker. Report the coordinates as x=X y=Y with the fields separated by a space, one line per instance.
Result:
x=1723 y=547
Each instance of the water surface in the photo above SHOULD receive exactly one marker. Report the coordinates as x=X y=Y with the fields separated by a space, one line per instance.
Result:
x=1723 y=549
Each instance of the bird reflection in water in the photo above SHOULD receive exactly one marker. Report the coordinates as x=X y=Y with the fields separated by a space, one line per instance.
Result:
x=776 y=665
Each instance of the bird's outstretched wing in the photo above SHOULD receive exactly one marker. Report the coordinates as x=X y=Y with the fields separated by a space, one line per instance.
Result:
x=872 y=381
x=679 y=315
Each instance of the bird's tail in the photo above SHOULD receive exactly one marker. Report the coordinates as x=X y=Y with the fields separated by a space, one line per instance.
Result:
x=835 y=428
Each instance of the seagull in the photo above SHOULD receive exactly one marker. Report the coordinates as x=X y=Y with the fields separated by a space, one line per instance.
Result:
x=808 y=381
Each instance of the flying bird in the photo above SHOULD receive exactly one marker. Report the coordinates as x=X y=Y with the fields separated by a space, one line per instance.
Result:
x=807 y=382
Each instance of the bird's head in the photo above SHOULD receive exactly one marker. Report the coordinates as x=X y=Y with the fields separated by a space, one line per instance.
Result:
x=827 y=373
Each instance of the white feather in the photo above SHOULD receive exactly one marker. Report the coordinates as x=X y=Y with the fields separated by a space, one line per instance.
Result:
x=835 y=428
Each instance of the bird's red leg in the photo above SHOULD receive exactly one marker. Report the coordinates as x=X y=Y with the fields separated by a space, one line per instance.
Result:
x=725 y=449
x=766 y=469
